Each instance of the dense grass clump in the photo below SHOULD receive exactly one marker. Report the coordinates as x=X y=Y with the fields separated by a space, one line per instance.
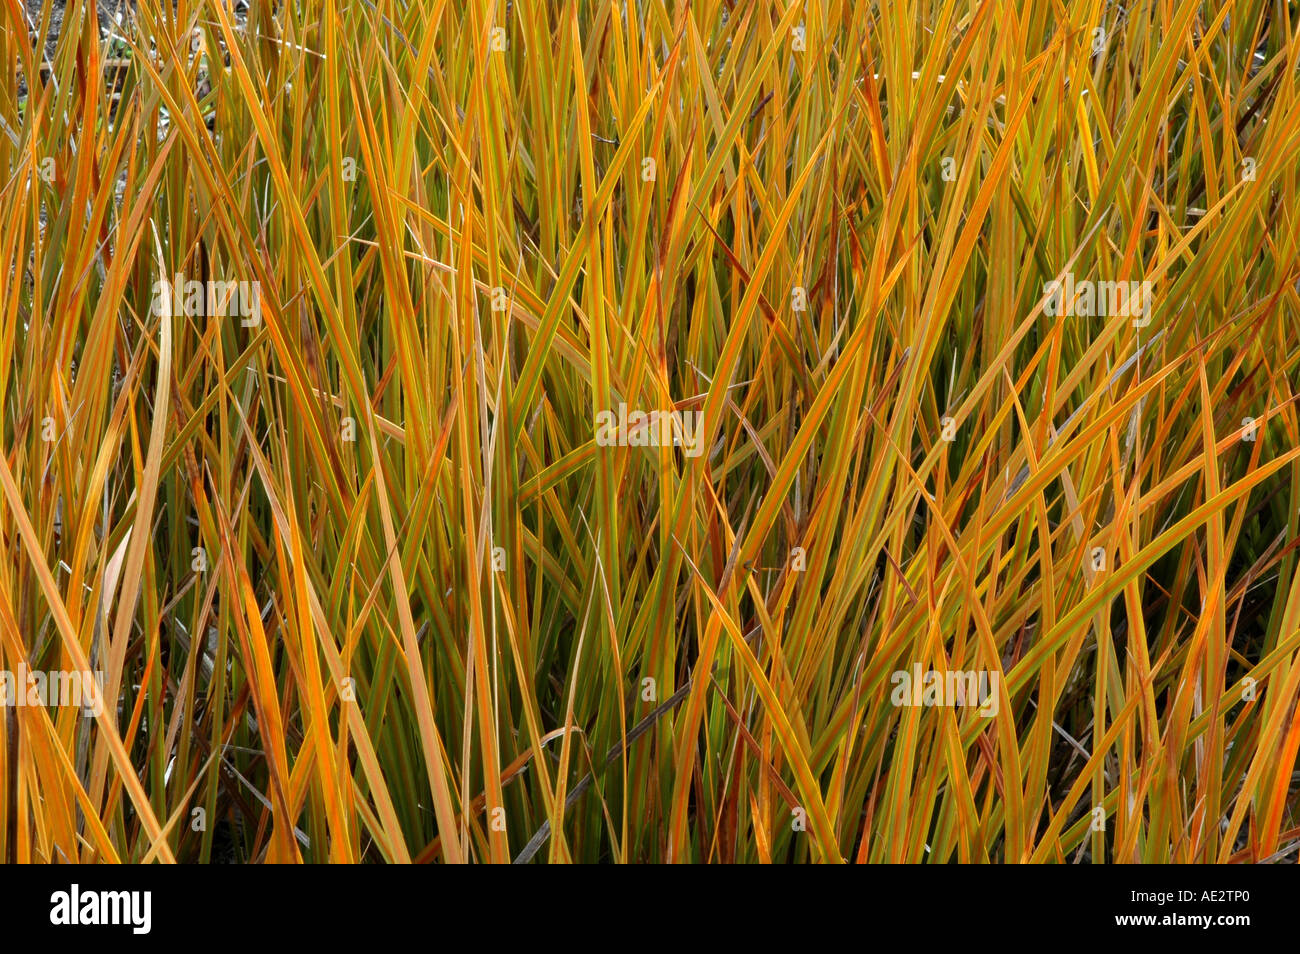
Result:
x=652 y=431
